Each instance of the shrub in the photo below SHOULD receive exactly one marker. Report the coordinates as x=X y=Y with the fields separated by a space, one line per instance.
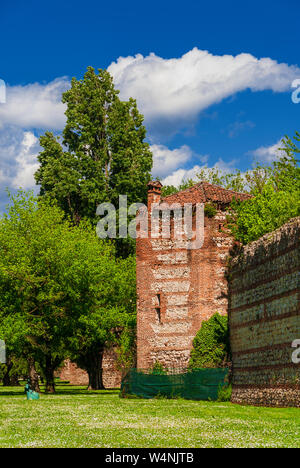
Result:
x=211 y=346
x=224 y=393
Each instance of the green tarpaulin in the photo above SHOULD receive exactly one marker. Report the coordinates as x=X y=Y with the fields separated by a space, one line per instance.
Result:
x=196 y=384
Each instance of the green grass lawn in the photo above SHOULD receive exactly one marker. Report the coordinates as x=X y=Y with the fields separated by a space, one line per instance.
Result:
x=77 y=418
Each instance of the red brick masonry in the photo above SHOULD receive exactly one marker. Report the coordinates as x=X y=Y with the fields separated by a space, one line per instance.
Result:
x=178 y=288
x=77 y=376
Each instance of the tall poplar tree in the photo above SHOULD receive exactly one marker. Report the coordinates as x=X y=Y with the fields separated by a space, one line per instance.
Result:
x=102 y=153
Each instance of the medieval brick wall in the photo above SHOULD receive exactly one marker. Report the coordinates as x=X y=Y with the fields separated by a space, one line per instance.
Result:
x=264 y=318
x=178 y=288
x=71 y=373
x=111 y=375
x=76 y=376
x=184 y=287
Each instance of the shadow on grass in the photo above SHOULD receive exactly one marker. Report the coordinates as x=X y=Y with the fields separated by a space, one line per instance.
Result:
x=5 y=393
x=59 y=391
x=86 y=392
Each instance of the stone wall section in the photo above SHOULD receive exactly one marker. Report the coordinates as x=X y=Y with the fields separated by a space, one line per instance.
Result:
x=264 y=317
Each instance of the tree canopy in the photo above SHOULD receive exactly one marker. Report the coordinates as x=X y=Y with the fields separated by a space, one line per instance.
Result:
x=62 y=290
x=275 y=189
x=275 y=202
x=102 y=153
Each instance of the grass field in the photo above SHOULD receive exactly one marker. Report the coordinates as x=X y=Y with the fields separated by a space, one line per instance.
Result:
x=77 y=418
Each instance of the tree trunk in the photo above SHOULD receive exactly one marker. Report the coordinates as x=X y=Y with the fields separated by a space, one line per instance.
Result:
x=14 y=381
x=95 y=372
x=49 y=375
x=6 y=378
x=33 y=376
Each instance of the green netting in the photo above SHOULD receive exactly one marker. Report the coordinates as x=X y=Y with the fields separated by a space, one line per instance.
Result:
x=195 y=384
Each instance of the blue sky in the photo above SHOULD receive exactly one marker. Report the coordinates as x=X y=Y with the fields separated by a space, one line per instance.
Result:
x=213 y=79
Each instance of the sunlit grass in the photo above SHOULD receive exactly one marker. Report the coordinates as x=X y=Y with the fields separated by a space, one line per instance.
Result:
x=77 y=418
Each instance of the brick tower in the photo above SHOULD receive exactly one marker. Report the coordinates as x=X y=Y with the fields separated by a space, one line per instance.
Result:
x=178 y=287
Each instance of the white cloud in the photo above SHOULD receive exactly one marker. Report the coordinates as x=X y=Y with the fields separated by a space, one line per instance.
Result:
x=166 y=160
x=35 y=105
x=169 y=90
x=180 y=88
x=26 y=162
x=18 y=158
x=178 y=176
x=267 y=154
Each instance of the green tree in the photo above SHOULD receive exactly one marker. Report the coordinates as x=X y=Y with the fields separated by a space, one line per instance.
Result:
x=14 y=369
x=275 y=202
x=13 y=331
x=102 y=153
x=54 y=277
x=30 y=312
x=275 y=189
x=257 y=178
x=106 y=322
x=232 y=181
x=211 y=346
x=264 y=213
x=252 y=181
x=286 y=172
